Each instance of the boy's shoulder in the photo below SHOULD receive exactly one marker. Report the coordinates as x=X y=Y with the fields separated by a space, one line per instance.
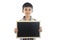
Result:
x=32 y=19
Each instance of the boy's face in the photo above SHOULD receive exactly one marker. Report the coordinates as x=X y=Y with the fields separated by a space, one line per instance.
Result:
x=27 y=11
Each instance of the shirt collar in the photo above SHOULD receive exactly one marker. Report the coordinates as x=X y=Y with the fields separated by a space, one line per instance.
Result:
x=24 y=18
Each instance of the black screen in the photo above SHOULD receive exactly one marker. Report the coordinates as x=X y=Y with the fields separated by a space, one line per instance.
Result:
x=28 y=29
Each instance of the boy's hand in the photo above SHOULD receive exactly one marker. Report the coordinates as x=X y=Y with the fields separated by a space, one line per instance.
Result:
x=40 y=29
x=15 y=30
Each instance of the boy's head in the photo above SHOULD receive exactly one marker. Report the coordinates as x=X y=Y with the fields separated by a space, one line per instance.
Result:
x=27 y=8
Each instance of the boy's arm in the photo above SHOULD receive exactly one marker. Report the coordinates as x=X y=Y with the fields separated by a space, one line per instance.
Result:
x=40 y=29
x=15 y=30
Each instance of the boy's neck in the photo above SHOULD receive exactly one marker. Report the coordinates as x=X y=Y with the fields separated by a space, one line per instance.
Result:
x=27 y=17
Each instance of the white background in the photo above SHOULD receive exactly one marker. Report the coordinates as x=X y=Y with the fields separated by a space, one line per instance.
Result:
x=47 y=11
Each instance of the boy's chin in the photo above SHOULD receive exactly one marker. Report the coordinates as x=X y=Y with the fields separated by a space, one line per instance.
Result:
x=27 y=14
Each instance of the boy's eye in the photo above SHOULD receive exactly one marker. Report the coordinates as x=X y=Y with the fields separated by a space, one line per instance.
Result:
x=25 y=9
x=29 y=9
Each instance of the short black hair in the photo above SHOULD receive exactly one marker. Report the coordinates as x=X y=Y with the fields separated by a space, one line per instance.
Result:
x=27 y=4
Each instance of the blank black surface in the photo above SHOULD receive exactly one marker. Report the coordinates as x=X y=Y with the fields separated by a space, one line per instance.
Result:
x=28 y=29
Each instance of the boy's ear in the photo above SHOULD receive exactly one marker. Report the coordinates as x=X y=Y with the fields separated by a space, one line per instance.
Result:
x=32 y=10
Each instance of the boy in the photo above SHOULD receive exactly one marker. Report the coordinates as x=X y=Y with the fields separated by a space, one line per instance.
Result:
x=27 y=10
